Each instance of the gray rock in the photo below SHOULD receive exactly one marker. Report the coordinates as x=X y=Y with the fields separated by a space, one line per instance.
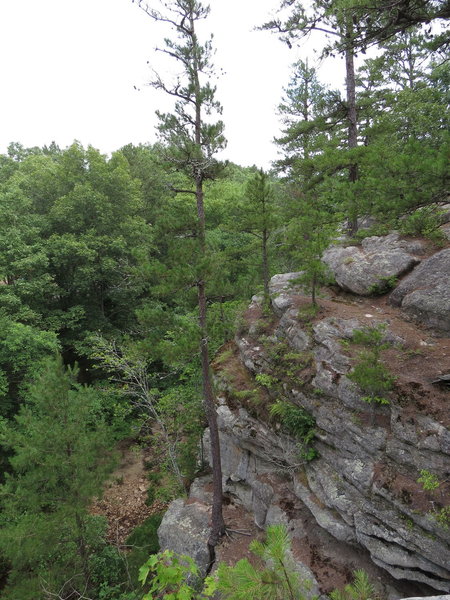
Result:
x=425 y=293
x=281 y=289
x=362 y=270
x=289 y=329
x=444 y=597
x=283 y=282
x=445 y=230
x=185 y=529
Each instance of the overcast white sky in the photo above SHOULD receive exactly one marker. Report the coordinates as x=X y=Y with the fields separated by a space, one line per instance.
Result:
x=68 y=70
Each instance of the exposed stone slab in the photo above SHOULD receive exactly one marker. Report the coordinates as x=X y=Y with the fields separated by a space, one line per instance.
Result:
x=185 y=529
x=367 y=268
x=281 y=288
x=425 y=293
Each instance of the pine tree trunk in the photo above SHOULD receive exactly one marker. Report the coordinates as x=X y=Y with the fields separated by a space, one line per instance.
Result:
x=352 y=120
x=265 y=266
x=82 y=549
x=217 y=521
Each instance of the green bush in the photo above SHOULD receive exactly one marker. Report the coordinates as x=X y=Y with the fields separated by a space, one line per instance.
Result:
x=424 y=222
x=266 y=380
x=373 y=379
x=384 y=285
x=108 y=572
x=299 y=423
x=370 y=374
x=143 y=541
x=428 y=480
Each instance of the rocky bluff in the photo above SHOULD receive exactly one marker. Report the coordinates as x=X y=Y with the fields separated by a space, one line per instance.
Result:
x=357 y=483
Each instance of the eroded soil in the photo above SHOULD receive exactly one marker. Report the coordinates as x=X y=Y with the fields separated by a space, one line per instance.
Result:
x=124 y=498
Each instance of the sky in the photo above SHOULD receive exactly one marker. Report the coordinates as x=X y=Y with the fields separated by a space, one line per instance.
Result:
x=79 y=70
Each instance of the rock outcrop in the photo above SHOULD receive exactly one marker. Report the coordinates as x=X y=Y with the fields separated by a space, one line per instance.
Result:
x=425 y=293
x=353 y=498
x=362 y=489
x=373 y=266
x=185 y=530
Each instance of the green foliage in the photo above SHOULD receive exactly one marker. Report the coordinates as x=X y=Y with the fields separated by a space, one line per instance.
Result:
x=143 y=541
x=359 y=589
x=306 y=313
x=169 y=574
x=176 y=577
x=276 y=580
x=370 y=374
x=173 y=414
x=70 y=231
x=61 y=457
x=429 y=481
x=294 y=419
x=266 y=380
x=442 y=516
x=108 y=573
x=256 y=214
x=23 y=349
x=384 y=285
x=299 y=423
x=308 y=234
x=424 y=222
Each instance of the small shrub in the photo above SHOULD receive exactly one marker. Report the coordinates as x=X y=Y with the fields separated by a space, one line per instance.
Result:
x=168 y=573
x=370 y=374
x=378 y=229
x=306 y=313
x=373 y=379
x=424 y=222
x=428 y=480
x=442 y=516
x=384 y=285
x=266 y=380
x=142 y=541
x=107 y=568
x=299 y=423
x=359 y=589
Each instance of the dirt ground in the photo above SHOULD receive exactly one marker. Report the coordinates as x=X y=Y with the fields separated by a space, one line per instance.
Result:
x=124 y=498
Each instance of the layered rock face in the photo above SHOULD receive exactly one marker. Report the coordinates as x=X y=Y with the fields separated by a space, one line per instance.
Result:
x=372 y=489
x=363 y=487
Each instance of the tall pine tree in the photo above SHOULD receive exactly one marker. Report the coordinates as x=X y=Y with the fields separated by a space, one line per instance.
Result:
x=191 y=141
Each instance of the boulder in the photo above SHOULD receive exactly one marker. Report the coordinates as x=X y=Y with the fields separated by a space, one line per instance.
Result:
x=185 y=529
x=281 y=288
x=373 y=266
x=424 y=294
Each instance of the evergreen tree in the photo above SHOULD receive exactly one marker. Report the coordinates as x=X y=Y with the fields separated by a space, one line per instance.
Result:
x=256 y=215
x=379 y=21
x=61 y=457
x=405 y=128
x=310 y=115
x=307 y=236
x=337 y=21
x=191 y=141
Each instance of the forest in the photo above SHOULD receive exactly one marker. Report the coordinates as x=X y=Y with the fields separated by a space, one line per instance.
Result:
x=122 y=276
